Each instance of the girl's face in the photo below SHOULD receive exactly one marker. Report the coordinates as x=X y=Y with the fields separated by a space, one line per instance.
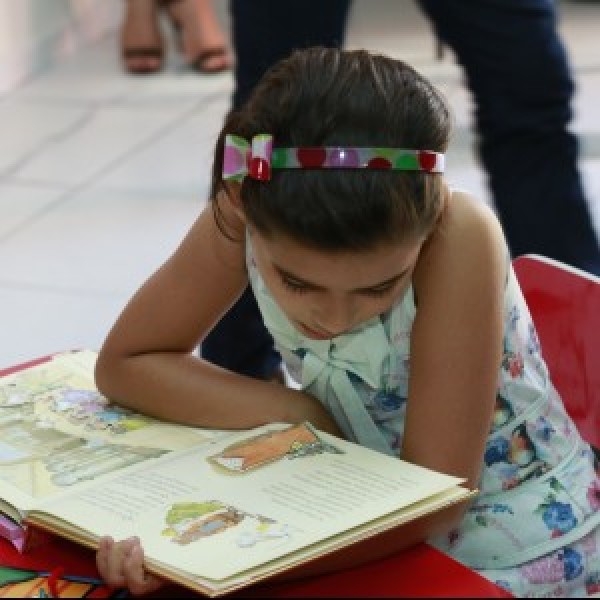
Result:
x=325 y=294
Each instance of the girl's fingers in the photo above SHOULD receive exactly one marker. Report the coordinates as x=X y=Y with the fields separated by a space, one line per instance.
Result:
x=136 y=578
x=106 y=548
x=121 y=564
x=111 y=557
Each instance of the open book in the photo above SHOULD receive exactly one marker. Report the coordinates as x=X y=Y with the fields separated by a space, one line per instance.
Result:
x=215 y=510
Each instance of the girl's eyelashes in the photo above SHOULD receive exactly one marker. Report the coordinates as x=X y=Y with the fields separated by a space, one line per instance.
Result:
x=300 y=288
x=294 y=286
x=380 y=291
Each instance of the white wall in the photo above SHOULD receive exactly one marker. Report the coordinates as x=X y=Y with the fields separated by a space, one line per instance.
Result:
x=34 y=34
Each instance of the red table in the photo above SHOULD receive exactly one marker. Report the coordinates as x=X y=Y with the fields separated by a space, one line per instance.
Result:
x=420 y=571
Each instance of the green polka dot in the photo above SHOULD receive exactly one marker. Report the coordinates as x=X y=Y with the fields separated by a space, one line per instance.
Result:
x=278 y=158
x=406 y=162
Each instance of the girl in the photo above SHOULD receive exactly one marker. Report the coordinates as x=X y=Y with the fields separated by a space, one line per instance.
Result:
x=393 y=303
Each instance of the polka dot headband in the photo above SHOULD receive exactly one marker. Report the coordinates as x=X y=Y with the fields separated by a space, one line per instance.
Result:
x=256 y=159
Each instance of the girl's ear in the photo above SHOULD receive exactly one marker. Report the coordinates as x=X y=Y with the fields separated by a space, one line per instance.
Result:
x=234 y=199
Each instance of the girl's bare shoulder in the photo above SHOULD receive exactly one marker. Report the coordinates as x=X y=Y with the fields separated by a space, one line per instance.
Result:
x=468 y=221
x=467 y=245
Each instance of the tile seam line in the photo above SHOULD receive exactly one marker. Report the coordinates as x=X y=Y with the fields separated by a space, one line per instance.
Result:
x=21 y=286
x=87 y=183
x=90 y=112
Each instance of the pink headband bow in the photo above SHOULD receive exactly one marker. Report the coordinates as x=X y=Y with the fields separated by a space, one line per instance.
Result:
x=256 y=159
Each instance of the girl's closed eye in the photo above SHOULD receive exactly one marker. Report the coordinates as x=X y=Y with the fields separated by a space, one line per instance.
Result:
x=295 y=286
x=300 y=287
x=379 y=291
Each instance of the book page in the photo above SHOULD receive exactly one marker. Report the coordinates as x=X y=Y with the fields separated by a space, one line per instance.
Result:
x=206 y=516
x=57 y=431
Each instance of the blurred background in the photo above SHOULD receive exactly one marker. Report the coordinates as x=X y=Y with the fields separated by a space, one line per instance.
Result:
x=102 y=173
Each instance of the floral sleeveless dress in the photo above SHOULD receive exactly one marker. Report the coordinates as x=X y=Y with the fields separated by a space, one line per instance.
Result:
x=534 y=529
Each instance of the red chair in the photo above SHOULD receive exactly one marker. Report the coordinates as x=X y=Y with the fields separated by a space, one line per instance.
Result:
x=565 y=306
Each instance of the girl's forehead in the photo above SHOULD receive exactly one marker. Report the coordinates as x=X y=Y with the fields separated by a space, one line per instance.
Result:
x=286 y=253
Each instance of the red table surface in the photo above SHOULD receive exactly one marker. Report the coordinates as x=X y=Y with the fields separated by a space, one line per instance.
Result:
x=420 y=571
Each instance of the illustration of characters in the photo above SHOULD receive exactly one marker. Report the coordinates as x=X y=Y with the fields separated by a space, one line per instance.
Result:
x=15 y=404
x=294 y=442
x=188 y=522
x=82 y=407
x=265 y=530
x=94 y=412
x=194 y=529
x=28 y=388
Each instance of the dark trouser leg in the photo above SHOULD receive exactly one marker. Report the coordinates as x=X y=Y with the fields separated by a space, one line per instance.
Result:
x=518 y=72
x=241 y=343
x=265 y=31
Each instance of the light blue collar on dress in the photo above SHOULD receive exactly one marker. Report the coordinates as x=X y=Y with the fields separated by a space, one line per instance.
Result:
x=326 y=365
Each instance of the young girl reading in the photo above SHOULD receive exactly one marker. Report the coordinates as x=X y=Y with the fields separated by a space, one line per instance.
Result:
x=393 y=303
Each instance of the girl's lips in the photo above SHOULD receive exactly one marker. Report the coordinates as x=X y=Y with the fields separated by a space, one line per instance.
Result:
x=315 y=335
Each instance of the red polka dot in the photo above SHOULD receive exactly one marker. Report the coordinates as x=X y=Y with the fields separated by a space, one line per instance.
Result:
x=311 y=157
x=379 y=163
x=259 y=169
x=427 y=160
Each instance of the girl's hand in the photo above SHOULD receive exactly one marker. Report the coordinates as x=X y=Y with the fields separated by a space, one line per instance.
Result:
x=121 y=564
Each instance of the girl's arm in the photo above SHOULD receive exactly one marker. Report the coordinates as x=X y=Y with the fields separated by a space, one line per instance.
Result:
x=456 y=343
x=147 y=361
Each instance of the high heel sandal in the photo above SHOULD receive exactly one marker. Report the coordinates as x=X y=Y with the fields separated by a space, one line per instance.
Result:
x=202 y=59
x=132 y=53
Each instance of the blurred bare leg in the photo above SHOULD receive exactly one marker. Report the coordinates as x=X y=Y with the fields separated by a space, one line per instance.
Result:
x=203 y=42
x=141 y=41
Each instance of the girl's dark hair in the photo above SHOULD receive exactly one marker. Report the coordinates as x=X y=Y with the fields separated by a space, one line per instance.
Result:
x=329 y=97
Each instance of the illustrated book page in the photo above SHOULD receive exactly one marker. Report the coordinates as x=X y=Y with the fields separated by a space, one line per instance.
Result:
x=57 y=431
x=236 y=509
x=215 y=510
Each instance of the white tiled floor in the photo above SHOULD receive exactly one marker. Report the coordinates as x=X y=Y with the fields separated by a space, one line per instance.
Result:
x=101 y=174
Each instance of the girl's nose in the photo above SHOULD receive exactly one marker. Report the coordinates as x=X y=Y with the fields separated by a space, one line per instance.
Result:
x=335 y=317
